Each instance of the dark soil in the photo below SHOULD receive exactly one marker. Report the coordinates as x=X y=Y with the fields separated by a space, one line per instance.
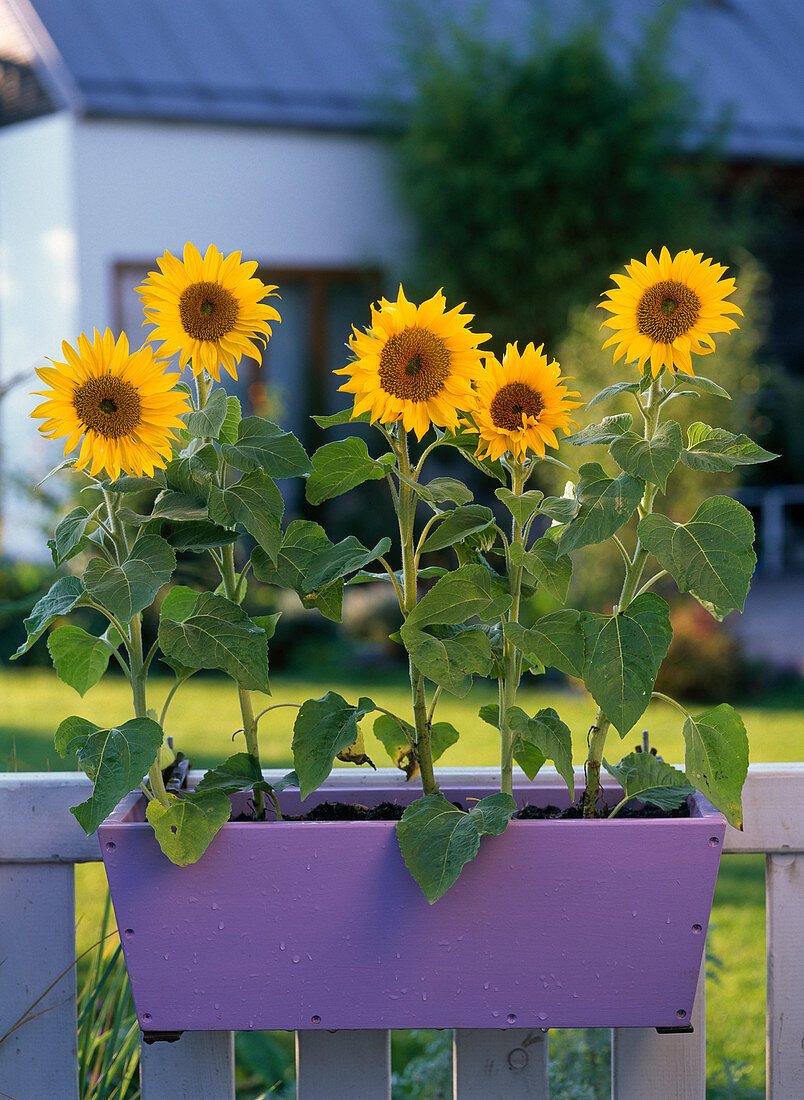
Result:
x=553 y=813
x=391 y=811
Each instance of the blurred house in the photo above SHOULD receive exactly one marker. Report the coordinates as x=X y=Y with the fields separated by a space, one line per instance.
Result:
x=128 y=128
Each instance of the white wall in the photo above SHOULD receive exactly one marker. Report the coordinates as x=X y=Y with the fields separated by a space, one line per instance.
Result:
x=284 y=198
x=78 y=195
x=38 y=305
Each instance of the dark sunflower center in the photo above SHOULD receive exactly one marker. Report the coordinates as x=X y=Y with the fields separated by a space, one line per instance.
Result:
x=511 y=401
x=109 y=406
x=414 y=364
x=208 y=311
x=667 y=310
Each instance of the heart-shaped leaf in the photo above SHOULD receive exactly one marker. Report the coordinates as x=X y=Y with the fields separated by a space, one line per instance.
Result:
x=711 y=556
x=127 y=589
x=549 y=737
x=207 y=422
x=323 y=728
x=653 y=459
x=555 y=640
x=623 y=654
x=256 y=503
x=80 y=659
x=716 y=759
x=68 y=538
x=65 y=594
x=642 y=775
x=264 y=446
x=604 y=505
x=715 y=450
x=549 y=568
x=114 y=759
x=186 y=827
x=456 y=525
x=340 y=466
x=239 y=772
x=218 y=634
x=610 y=428
x=437 y=839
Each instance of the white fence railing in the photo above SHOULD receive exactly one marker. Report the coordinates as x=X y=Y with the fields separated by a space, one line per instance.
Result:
x=40 y=842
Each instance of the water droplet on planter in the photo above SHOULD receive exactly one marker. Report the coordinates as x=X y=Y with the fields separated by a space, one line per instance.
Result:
x=486 y=985
x=697 y=929
x=633 y=913
x=215 y=905
x=511 y=1018
x=166 y=957
x=541 y=1016
x=296 y=959
x=424 y=996
x=221 y=926
x=315 y=1019
x=495 y=1015
x=129 y=933
x=282 y=946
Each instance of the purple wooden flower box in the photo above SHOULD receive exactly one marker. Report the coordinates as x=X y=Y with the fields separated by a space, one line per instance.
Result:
x=305 y=925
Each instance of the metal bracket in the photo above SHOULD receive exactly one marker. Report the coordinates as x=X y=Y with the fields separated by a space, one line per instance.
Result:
x=686 y=1029
x=150 y=1037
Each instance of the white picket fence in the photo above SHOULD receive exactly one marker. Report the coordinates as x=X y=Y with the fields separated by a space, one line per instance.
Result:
x=40 y=842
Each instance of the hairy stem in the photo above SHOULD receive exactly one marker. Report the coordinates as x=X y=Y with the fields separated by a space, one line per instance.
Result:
x=633 y=574
x=509 y=683
x=406 y=513
x=250 y=722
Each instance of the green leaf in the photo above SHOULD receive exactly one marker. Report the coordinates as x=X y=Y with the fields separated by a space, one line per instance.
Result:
x=711 y=556
x=543 y=562
x=339 y=560
x=623 y=654
x=178 y=604
x=198 y=537
x=651 y=460
x=555 y=640
x=715 y=450
x=442 y=736
x=218 y=634
x=610 y=428
x=240 y=772
x=437 y=839
x=456 y=525
x=390 y=732
x=323 y=728
x=65 y=594
x=264 y=446
x=340 y=466
x=442 y=489
x=68 y=538
x=80 y=659
x=207 y=422
x=549 y=737
x=256 y=504
x=605 y=504
x=114 y=759
x=490 y=712
x=468 y=591
x=521 y=507
x=126 y=589
x=560 y=509
x=612 y=391
x=642 y=775
x=716 y=760
x=449 y=655
x=466 y=442
x=268 y=623
x=345 y=416
x=194 y=475
x=231 y=422
x=303 y=543
x=178 y=508
x=705 y=385
x=186 y=827
x=127 y=484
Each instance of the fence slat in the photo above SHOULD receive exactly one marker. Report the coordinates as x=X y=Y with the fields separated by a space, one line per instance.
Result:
x=509 y=1064
x=37 y=944
x=343 y=1065
x=200 y=1064
x=784 y=886
x=644 y=1063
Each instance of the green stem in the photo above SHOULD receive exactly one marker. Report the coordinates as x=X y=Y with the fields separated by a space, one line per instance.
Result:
x=510 y=680
x=203 y=385
x=633 y=574
x=250 y=723
x=406 y=514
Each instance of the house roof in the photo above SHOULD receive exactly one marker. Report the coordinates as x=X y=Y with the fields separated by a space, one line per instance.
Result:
x=329 y=63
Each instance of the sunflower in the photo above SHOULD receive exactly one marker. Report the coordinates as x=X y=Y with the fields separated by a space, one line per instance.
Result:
x=521 y=404
x=415 y=364
x=666 y=309
x=207 y=310
x=123 y=405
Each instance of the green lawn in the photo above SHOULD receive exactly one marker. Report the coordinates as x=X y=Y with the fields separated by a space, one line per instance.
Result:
x=205 y=717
